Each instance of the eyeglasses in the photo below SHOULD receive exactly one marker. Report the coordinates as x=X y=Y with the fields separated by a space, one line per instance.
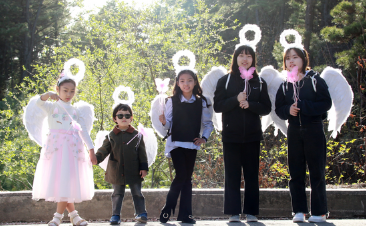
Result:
x=127 y=116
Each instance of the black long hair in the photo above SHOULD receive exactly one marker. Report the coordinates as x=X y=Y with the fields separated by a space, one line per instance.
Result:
x=197 y=90
x=234 y=69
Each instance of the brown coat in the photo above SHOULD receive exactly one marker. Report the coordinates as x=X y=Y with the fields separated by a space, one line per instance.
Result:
x=125 y=161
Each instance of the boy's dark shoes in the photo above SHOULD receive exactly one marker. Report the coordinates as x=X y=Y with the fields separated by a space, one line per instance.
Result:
x=115 y=219
x=141 y=217
x=165 y=214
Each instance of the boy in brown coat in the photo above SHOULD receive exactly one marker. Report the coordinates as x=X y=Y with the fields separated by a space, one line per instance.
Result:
x=127 y=163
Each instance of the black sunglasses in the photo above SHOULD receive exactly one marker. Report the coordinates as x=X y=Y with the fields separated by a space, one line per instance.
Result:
x=127 y=116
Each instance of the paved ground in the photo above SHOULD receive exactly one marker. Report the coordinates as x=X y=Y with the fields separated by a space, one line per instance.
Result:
x=330 y=222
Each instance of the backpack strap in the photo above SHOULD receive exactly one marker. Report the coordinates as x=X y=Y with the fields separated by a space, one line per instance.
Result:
x=260 y=84
x=227 y=81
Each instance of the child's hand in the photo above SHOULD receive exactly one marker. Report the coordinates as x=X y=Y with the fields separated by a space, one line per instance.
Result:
x=244 y=104
x=51 y=95
x=162 y=119
x=143 y=173
x=242 y=96
x=199 y=141
x=294 y=109
x=92 y=157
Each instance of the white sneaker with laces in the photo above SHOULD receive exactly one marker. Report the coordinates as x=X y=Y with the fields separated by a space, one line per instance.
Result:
x=251 y=218
x=299 y=217
x=317 y=219
x=234 y=218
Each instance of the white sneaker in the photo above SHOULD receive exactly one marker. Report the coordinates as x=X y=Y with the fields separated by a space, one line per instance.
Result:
x=234 y=218
x=251 y=218
x=299 y=217
x=317 y=219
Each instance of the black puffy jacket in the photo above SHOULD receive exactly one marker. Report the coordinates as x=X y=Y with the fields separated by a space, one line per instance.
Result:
x=241 y=125
x=313 y=104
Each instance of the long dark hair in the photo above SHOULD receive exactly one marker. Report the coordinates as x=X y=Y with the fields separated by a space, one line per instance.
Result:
x=303 y=54
x=234 y=69
x=197 y=90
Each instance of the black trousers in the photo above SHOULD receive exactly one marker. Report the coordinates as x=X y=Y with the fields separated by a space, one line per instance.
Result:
x=238 y=157
x=307 y=145
x=183 y=162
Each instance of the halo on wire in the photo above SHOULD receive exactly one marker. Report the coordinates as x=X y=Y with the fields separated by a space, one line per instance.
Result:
x=68 y=75
x=117 y=92
x=192 y=61
x=297 y=44
x=244 y=41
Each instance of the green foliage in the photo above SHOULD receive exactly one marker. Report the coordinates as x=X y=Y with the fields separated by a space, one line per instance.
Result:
x=121 y=45
x=349 y=19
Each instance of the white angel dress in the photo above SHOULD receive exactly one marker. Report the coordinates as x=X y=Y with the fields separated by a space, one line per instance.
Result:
x=64 y=171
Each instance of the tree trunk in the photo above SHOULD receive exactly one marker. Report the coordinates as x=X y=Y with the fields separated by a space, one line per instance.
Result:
x=309 y=19
x=26 y=43
x=28 y=50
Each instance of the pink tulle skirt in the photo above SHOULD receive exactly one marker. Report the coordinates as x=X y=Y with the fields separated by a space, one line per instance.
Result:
x=64 y=171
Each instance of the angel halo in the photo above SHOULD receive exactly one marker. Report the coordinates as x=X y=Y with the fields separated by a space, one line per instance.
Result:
x=244 y=41
x=117 y=100
x=192 y=61
x=67 y=72
x=297 y=44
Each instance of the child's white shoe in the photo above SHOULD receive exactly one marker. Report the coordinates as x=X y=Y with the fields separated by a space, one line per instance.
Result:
x=76 y=220
x=317 y=219
x=57 y=219
x=234 y=218
x=299 y=217
x=251 y=218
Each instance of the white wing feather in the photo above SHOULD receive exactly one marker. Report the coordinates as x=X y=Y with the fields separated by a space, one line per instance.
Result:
x=155 y=112
x=342 y=98
x=208 y=85
x=101 y=135
x=273 y=79
x=151 y=145
x=35 y=121
x=86 y=114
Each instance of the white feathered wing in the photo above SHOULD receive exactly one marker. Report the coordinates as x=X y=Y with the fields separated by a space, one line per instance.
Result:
x=156 y=105
x=86 y=114
x=98 y=142
x=151 y=145
x=274 y=80
x=208 y=85
x=35 y=121
x=342 y=98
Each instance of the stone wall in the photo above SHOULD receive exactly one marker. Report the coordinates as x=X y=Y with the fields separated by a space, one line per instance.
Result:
x=19 y=206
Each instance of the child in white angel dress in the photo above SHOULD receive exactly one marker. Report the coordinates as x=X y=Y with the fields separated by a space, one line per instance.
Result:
x=64 y=171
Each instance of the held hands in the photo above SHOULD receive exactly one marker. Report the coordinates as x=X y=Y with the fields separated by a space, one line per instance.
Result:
x=199 y=141
x=244 y=104
x=242 y=96
x=162 y=119
x=294 y=109
x=92 y=157
x=143 y=173
x=51 y=95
